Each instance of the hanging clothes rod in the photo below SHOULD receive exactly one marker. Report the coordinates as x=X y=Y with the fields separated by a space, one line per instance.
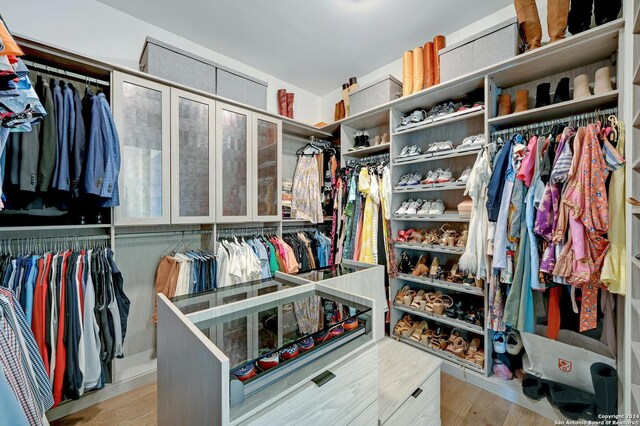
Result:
x=551 y=123
x=64 y=73
x=60 y=238
x=371 y=159
x=165 y=233
x=246 y=231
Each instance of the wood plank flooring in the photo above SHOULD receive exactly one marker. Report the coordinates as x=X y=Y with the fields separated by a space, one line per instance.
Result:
x=461 y=404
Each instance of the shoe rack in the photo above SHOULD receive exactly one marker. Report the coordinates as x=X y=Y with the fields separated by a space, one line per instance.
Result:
x=454 y=128
x=632 y=306
x=376 y=125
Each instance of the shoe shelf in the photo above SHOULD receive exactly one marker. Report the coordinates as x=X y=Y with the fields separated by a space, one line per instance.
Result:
x=636 y=26
x=431 y=248
x=459 y=288
x=442 y=319
x=635 y=210
x=636 y=75
x=430 y=188
x=635 y=262
x=444 y=120
x=636 y=164
x=445 y=355
x=366 y=152
x=445 y=217
x=636 y=120
x=560 y=109
x=442 y=155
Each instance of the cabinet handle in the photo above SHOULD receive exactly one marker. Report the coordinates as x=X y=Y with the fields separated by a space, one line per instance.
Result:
x=323 y=378
x=416 y=393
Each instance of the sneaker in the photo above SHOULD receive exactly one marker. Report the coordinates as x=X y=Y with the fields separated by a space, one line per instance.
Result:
x=403 y=180
x=514 y=343
x=414 y=207
x=445 y=146
x=431 y=178
x=403 y=207
x=437 y=208
x=436 y=175
x=499 y=343
x=414 y=179
x=404 y=152
x=433 y=147
x=414 y=151
x=425 y=207
x=465 y=175
x=478 y=139
x=445 y=176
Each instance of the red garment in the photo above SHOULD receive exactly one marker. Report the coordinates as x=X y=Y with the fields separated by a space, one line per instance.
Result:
x=553 y=327
x=38 y=320
x=61 y=350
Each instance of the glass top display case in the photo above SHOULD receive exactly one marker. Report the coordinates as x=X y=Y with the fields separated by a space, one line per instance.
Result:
x=265 y=342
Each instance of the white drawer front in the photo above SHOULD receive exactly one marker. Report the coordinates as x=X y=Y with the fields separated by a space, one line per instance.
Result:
x=369 y=417
x=422 y=409
x=336 y=402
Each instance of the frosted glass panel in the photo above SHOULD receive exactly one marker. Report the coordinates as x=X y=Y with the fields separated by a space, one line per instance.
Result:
x=234 y=164
x=267 y=168
x=142 y=151
x=193 y=142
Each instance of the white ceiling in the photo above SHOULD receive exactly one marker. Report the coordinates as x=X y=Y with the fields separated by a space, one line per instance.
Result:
x=316 y=45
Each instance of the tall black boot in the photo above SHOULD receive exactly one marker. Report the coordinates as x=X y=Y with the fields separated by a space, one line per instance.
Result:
x=543 y=98
x=605 y=383
x=580 y=16
x=562 y=91
x=606 y=10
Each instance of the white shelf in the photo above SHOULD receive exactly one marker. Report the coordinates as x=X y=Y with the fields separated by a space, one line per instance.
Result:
x=636 y=29
x=453 y=186
x=635 y=350
x=366 y=152
x=446 y=217
x=459 y=288
x=635 y=262
x=636 y=75
x=51 y=227
x=636 y=120
x=636 y=164
x=445 y=355
x=443 y=155
x=558 y=110
x=430 y=248
x=443 y=122
x=302 y=129
x=635 y=209
x=442 y=319
x=635 y=394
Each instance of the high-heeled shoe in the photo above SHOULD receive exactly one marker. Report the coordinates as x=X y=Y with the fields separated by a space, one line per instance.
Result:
x=454 y=274
x=405 y=263
x=433 y=270
x=462 y=241
x=420 y=270
x=400 y=294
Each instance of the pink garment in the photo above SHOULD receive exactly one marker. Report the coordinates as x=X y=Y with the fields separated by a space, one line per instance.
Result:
x=527 y=168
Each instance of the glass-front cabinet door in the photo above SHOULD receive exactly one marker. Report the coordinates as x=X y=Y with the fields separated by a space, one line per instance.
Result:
x=267 y=156
x=141 y=110
x=192 y=158
x=233 y=154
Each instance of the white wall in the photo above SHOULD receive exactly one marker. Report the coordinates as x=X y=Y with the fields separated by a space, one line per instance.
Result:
x=96 y=30
x=395 y=68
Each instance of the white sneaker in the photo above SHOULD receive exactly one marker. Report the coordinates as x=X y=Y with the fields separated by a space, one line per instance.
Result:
x=413 y=151
x=437 y=208
x=414 y=207
x=466 y=142
x=425 y=207
x=403 y=207
x=436 y=176
x=430 y=179
x=478 y=139
x=499 y=344
x=445 y=176
x=404 y=152
x=465 y=175
x=414 y=179
x=445 y=146
x=513 y=343
x=403 y=180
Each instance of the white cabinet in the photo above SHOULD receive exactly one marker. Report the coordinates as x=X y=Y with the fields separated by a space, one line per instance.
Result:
x=248 y=152
x=192 y=158
x=141 y=110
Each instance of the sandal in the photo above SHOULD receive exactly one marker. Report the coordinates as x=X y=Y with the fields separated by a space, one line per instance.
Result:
x=433 y=271
x=402 y=323
x=426 y=336
x=420 y=270
x=417 y=332
x=462 y=241
x=458 y=347
x=474 y=346
x=431 y=237
x=408 y=297
x=400 y=294
x=454 y=274
x=417 y=299
x=479 y=358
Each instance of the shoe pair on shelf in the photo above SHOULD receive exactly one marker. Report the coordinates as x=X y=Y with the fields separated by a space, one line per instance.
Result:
x=439 y=176
x=445 y=236
x=472 y=142
x=410 y=151
x=410 y=179
x=421 y=207
x=509 y=342
x=437 y=147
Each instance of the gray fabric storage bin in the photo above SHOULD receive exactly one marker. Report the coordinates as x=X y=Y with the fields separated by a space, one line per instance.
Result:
x=487 y=48
x=241 y=88
x=173 y=64
x=374 y=94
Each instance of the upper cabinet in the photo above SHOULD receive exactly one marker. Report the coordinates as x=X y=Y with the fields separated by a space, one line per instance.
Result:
x=141 y=109
x=192 y=158
x=267 y=182
x=248 y=152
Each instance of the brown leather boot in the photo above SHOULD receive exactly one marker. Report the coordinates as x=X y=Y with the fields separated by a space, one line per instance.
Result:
x=438 y=44
x=418 y=69
x=529 y=20
x=407 y=73
x=336 y=112
x=429 y=64
x=290 y=97
x=282 y=102
x=557 y=16
x=522 y=100
x=504 y=105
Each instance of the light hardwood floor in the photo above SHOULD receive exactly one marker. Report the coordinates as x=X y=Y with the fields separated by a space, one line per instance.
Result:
x=461 y=404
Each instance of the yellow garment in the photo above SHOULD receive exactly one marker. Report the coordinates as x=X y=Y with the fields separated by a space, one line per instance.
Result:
x=614 y=270
x=368 y=186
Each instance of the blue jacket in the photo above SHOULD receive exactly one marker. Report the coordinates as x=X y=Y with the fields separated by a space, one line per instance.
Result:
x=496 y=184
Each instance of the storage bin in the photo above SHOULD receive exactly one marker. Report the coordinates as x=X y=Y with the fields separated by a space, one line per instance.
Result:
x=487 y=48
x=179 y=66
x=375 y=94
x=176 y=65
x=241 y=88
